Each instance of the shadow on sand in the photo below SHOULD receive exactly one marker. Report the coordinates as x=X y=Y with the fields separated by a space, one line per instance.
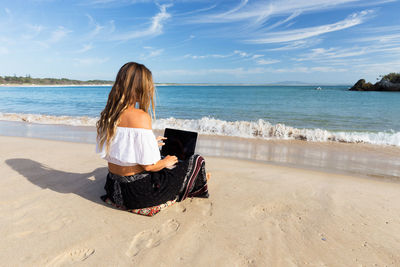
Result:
x=82 y=184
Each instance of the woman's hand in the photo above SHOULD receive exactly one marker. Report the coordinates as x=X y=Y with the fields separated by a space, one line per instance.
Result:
x=170 y=161
x=160 y=140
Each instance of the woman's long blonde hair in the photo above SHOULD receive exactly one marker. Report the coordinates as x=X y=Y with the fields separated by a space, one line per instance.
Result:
x=133 y=84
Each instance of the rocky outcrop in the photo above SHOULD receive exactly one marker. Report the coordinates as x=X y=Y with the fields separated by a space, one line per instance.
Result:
x=385 y=85
x=382 y=85
x=361 y=85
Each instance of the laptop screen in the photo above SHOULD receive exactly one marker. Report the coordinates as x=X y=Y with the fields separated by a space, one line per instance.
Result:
x=179 y=143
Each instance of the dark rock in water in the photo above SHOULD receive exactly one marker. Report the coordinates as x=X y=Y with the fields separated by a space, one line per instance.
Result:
x=382 y=85
x=361 y=85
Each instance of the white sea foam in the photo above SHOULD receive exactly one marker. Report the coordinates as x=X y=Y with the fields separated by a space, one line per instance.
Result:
x=265 y=130
x=48 y=119
x=247 y=129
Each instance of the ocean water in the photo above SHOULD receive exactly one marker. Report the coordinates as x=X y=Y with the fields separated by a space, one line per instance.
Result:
x=266 y=112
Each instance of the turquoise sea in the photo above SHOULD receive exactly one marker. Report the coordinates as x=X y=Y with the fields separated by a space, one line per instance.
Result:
x=267 y=112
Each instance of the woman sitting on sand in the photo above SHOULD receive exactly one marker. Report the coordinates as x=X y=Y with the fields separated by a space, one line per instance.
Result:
x=138 y=179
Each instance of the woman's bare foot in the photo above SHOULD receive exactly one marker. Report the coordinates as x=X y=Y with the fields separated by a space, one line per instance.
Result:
x=208 y=176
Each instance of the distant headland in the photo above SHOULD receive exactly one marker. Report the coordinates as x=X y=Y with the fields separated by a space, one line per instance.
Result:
x=29 y=81
x=389 y=82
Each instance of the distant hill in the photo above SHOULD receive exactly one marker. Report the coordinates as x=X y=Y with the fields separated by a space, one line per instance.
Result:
x=47 y=81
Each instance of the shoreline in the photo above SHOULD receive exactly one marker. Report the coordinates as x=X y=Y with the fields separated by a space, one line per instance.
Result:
x=170 y=84
x=257 y=215
x=362 y=160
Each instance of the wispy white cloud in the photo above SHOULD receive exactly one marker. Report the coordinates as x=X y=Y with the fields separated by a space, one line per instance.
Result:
x=35 y=28
x=250 y=71
x=380 y=67
x=8 y=11
x=258 y=12
x=91 y=19
x=279 y=23
x=241 y=53
x=299 y=44
x=192 y=36
x=304 y=33
x=155 y=28
x=33 y=31
x=235 y=9
x=112 y=26
x=382 y=38
x=318 y=54
x=101 y=1
x=97 y=28
x=3 y=50
x=256 y=56
x=303 y=69
x=156 y=53
x=328 y=69
x=91 y=60
x=6 y=41
x=237 y=53
x=126 y=2
x=197 y=11
x=151 y=52
x=58 y=34
x=267 y=61
x=292 y=70
x=380 y=29
x=55 y=37
x=202 y=72
x=85 y=48
x=347 y=55
x=208 y=56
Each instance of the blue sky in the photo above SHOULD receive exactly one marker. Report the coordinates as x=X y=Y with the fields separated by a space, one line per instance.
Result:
x=241 y=41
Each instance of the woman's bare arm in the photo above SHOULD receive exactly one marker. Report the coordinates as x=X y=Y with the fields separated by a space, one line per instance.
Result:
x=167 y=162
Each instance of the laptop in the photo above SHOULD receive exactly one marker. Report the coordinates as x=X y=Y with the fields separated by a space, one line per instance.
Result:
x=179 y=143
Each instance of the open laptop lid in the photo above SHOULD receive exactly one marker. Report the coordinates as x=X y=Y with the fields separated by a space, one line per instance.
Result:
x=179 y=143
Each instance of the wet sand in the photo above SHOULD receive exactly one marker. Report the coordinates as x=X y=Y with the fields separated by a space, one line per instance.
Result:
x=354 y=159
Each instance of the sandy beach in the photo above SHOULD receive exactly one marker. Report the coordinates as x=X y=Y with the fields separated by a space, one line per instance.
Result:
x=258 y=215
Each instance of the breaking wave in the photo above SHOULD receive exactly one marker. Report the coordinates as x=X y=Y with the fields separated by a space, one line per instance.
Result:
x=246 y=129
x=265 y=130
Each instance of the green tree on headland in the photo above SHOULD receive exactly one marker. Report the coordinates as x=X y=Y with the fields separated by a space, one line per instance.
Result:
x=392 y=77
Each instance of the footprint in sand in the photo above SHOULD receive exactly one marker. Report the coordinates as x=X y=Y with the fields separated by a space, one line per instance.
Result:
x=71 y=257
x=206 y=206
x=208 y=209
x=179 y=208
x=152 y=238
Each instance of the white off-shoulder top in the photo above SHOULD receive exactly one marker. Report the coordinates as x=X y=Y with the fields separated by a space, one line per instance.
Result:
x=131 y=146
